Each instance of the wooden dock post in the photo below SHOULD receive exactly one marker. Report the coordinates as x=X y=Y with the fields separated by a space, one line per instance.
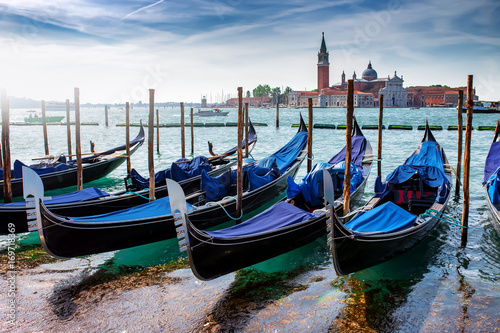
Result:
x=309 y=134
x=127 y=136
x=348 y=142
x=379 y=145
x=157 y=131
x=79 y=166
x=106 y=115
x=183 y=133
x=459 y=143
x=7 y=186
x=68 y=129
x=1 y=156
x=45 y=134
x=277 y=115
x=246 y=130
x=192 y=134
x=151 y=131
x=468 y=135
x=239 y=179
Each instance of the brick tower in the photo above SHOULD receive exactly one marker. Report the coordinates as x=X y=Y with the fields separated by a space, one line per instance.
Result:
x=323 y=66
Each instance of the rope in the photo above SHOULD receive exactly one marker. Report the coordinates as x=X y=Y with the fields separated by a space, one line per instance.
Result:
x=442 y=219
x=307 y=158
x=139 y=195
x=213 y=203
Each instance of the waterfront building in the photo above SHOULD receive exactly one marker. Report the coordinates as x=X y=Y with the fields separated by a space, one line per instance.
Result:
x=436 y=96
x=367 y=89
x=263 y=101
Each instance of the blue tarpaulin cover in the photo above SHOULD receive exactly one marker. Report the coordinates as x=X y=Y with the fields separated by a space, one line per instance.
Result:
x=428 y=163
x=358 y=143
x=155 y=208
x=259 y=173
x=385 y=218
x=83 y=195
x=18 y=169
x=311 y=185
x=177 y=172
x=492 y=160
x=493 y=184
x=278 y=216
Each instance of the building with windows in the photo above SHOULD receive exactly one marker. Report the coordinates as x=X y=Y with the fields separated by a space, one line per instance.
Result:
x=367 y=89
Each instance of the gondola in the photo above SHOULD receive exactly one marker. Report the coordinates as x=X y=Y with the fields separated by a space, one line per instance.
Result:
x=94 y=200
x=76 y=236
x=62 y=173
x=404 y=211
x=291 y=223
x=492 y=179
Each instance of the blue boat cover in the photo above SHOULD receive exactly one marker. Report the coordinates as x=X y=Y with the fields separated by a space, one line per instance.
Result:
x=358 y=143
x=492 y=160
x=160 y=207
x=18 y=169
x=428 y=163
x=177 y=172
x=493 y=185
x=78 y=196
x=256 y=174
x=311 y=185
x=385 y=218
x=278 y=216
x=216 y=188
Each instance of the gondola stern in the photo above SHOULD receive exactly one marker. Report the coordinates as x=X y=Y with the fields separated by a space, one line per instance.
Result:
x=428 y=136
x=302 y=125
x=356 y=129
x=495 y=137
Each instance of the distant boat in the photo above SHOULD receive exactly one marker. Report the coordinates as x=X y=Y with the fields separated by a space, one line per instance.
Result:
x=210 y=113
x=58 y=106
x=415 y=108
x=36 y=119
x=484 y=107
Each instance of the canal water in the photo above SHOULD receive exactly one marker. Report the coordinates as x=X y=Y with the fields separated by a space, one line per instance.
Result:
x=437 y=286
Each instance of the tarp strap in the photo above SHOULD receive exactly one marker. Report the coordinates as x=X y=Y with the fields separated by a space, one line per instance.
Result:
x=444 y=218
x=139 y=195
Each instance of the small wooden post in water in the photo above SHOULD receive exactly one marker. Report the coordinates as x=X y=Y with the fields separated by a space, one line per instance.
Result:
x=468 y=135
x=348 y=143
x=45 y=134
x=192 y=134
x=127 y=136
x=1 y=158
x=183 y=133
x=157 y=132
x=106 y=115
x=79 y=166
x=239 y=179
x=309 y=134
x=246 y=130
x=7 y=186
x=379 y=145
x=459 y=143
x=277 y=114
x=68 y=129
x=151 y=129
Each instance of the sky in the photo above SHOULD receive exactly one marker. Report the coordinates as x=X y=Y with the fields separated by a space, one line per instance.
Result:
x=115 y=51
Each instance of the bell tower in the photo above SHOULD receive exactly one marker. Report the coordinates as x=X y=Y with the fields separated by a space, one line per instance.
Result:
x=323 y=66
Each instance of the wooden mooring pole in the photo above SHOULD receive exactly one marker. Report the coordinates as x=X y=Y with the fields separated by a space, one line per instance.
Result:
x=459 y=143
x=277 y=114
x=45 y=134
x=379 y=145
x=468 y=135
x=7 y=186
x=309 y=134
x=79 y=166
x=151 y=131
x=68 y=128
x=157 y=131
x=127 y=136
x=106 y=115
x=192 y=134
x=246 y=130
x=239 y=179
x=348 y=143
x=183 y=133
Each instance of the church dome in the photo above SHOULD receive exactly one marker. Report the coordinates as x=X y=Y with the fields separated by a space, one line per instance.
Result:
x=369 y=73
